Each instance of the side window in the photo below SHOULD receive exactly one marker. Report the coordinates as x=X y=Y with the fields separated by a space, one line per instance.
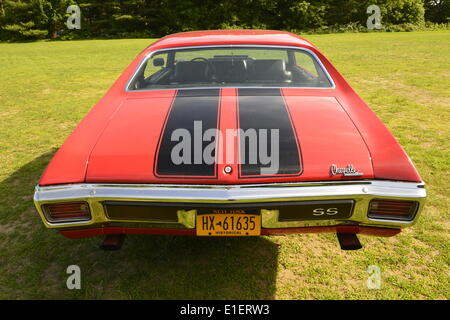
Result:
x=155 y=64
x=305 y=61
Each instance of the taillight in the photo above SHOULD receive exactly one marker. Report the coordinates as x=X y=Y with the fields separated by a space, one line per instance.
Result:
x=392 y=209
x=67 y=212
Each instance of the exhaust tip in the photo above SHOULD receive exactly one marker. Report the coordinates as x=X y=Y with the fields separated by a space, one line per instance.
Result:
x=349 y=241
x=112 y=242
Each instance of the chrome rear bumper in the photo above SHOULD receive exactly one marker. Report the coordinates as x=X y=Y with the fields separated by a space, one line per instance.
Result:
x=360 y=191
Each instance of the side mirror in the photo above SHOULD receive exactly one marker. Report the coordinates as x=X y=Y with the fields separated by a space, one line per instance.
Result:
x=158 y=62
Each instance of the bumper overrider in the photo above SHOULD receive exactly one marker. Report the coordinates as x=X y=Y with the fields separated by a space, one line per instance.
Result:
x=284 y=208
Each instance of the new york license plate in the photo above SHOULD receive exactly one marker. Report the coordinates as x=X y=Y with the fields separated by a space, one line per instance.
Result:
x=228 y=223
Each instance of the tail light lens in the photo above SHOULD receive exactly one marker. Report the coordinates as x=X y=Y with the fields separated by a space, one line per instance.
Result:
x=67 y=212
x=393 y=209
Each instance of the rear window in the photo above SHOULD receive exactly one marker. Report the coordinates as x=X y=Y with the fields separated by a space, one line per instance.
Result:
x=230 y=67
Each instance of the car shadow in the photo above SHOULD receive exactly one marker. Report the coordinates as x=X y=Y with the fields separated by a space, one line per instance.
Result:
x=147 y=267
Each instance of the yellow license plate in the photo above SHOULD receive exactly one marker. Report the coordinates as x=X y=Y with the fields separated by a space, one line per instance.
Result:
x=227 y=225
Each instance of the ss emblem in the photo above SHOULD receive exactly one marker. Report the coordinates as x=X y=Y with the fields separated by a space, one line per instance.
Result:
x=328 y=212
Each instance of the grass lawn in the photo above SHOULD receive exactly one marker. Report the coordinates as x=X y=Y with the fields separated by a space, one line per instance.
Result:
x=47 y=87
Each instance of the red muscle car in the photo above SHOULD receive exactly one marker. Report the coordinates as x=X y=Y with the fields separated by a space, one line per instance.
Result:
x=230 y=133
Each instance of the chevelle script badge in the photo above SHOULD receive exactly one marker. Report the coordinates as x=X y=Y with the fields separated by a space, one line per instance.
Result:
x=348 y=171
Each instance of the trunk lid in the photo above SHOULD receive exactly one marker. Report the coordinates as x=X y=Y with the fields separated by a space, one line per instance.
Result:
x=316 y=138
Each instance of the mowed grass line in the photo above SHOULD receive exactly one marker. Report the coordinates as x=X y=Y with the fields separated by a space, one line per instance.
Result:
x=47 y=87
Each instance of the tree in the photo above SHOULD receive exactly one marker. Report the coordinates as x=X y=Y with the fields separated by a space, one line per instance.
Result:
x=53 y=15
x=37 y=19
x=22 y=20
x=32 y=19
x=437 y=11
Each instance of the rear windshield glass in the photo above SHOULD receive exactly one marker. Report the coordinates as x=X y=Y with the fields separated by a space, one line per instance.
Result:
x=230 y=67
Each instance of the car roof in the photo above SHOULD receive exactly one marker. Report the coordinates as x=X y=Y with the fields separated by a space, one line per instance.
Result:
x=229 y=37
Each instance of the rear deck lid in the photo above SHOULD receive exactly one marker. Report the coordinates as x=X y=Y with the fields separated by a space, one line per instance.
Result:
x=314 y=137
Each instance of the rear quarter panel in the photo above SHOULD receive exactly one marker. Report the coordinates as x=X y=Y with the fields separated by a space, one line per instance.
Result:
x=389 y=160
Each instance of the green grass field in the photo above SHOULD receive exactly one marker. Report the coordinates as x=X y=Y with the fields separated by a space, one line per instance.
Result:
x=47 y=87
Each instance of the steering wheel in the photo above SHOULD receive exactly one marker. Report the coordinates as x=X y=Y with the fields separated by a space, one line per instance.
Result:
x=210 y=66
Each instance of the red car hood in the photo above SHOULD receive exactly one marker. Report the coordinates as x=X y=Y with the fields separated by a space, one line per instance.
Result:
x=314 y=133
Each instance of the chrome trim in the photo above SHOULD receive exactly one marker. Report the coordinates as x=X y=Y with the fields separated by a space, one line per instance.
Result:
x=362 y=191
x=151 y=53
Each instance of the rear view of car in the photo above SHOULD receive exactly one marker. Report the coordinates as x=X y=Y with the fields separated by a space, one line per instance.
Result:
x=230 y=133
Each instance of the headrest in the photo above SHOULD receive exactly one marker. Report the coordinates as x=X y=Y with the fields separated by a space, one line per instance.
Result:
x=191 y=71
x=266 y=70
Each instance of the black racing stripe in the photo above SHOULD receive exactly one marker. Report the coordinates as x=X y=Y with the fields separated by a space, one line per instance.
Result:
x=266 y=109
x=188 y=106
